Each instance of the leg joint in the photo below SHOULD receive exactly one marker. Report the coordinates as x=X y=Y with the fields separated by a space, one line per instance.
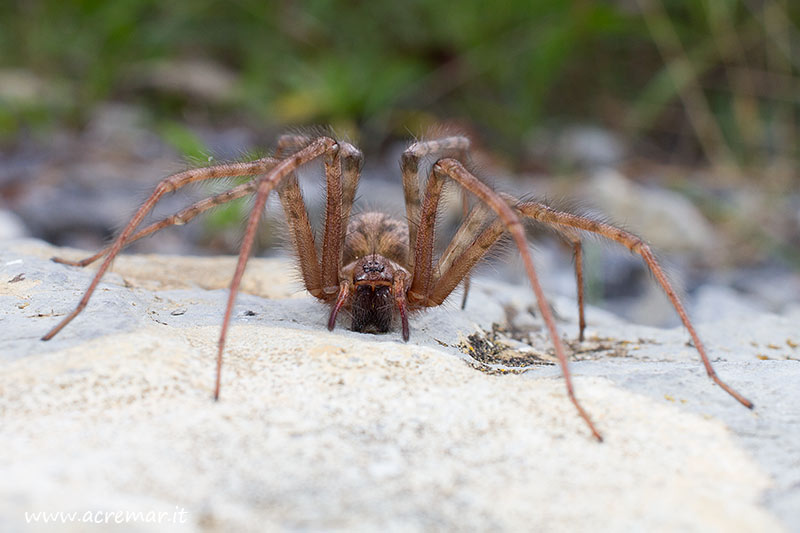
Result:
x=637 y=245
x=168 y=185
x=409 y=162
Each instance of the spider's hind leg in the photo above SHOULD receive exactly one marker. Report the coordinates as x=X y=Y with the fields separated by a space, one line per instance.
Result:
x=577 y=248
x=423 y=292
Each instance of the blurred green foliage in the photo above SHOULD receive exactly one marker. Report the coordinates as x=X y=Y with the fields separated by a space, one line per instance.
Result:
x=721 y=69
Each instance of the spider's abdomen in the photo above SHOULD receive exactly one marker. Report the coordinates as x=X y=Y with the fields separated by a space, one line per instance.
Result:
x=375 y=233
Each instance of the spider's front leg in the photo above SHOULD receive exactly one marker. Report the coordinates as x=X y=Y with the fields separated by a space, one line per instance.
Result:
x=324 y=279
x=321 y=279
x=455 y=146
x=169 y=184
x=422 y=290
x=318 y=147
x=342 y=164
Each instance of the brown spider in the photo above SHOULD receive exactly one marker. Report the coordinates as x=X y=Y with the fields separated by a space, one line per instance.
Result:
x=374 y=266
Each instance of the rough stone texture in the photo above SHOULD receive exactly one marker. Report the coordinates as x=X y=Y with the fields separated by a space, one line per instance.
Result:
x=321 y=430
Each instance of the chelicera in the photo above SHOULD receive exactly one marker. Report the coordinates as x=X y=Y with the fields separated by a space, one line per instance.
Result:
x=377 y=268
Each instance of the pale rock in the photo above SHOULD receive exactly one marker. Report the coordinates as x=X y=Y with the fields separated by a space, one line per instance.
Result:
x=319 y=430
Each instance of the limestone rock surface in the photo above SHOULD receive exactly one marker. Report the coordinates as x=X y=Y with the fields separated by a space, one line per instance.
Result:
x=319 y=430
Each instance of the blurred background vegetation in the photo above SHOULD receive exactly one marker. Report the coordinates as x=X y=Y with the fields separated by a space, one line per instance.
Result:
x=715 y=80
x=703 y=96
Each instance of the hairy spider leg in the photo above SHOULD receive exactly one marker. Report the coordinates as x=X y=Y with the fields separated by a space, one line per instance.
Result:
x=324 y=275
x=465 y=238
x=319 y=147
x=423 y=251
x=168 y=184
x=455 y=146
x=399 y=294
x=334 y=230
x=577 y=254
x=464 y=213
x=178 y=219
x=467 y=256
x=419 y=292
x=290 y=195
x=548 y=215
x=296 y=213
x=352 y=162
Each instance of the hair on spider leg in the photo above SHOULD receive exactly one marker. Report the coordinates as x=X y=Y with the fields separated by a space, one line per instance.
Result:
x=296 y=138
x=584 y=210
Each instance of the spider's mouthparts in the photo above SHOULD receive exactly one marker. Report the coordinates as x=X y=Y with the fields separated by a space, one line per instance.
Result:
x=372 y=308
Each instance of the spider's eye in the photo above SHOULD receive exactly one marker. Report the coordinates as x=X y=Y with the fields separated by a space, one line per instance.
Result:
x=373 y=266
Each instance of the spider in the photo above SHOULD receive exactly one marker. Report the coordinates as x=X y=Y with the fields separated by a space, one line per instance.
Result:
x=378 y=268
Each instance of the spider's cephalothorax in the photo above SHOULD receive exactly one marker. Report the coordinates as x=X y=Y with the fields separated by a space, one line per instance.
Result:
x=376 y=267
